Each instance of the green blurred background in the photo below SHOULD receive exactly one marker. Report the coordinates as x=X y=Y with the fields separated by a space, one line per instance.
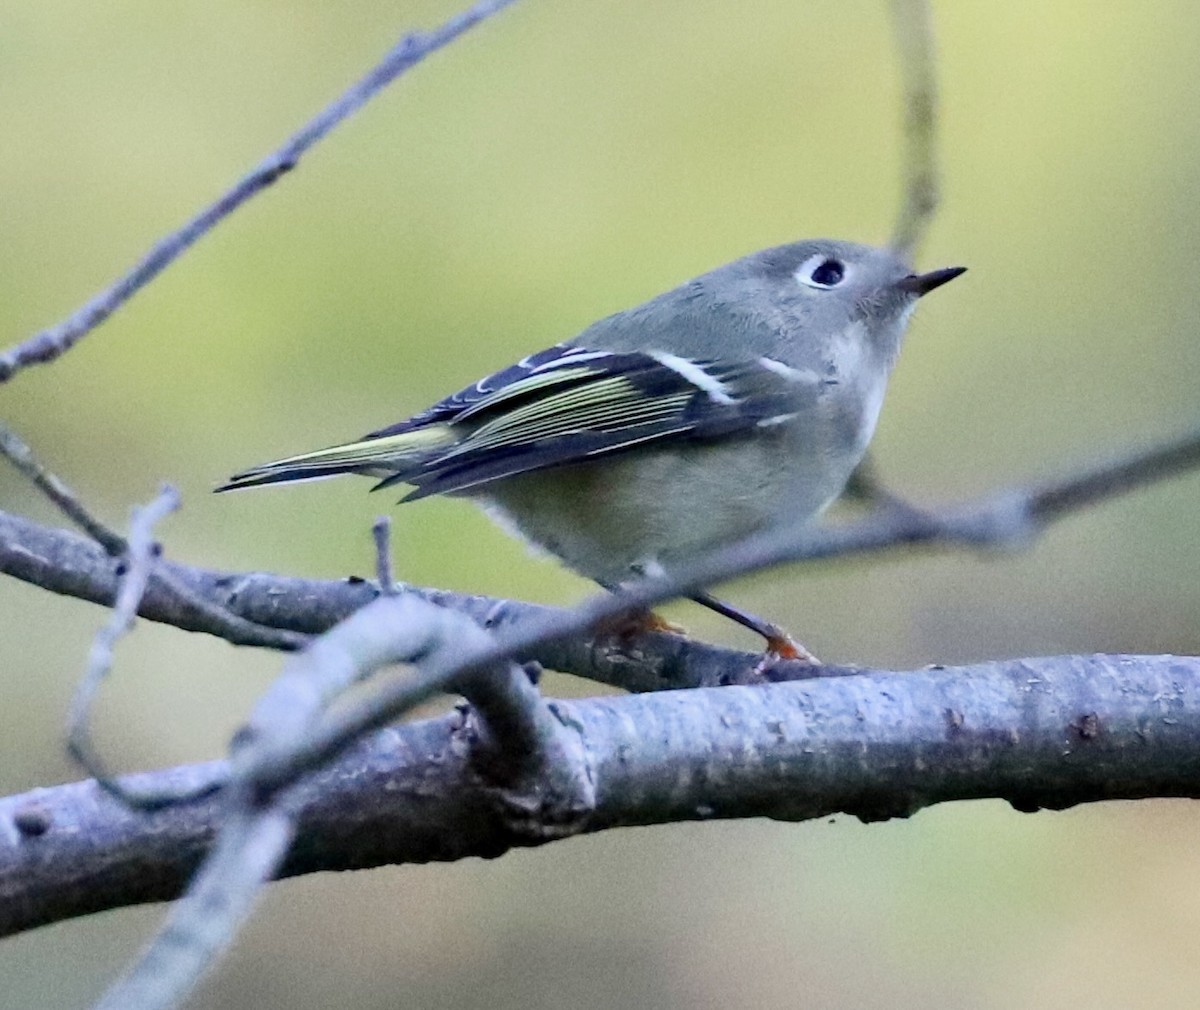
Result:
x=562 y=162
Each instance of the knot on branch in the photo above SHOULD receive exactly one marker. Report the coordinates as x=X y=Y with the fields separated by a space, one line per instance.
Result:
x=542 y=791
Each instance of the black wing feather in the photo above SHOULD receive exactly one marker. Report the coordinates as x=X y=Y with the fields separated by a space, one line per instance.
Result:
x=557 y=409
x=453 y=406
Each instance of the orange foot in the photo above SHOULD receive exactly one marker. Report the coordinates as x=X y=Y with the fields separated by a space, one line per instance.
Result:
x=639 y=623
x=781 y=646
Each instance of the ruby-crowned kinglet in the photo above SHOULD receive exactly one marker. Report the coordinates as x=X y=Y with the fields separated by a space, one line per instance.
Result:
x=738 y=400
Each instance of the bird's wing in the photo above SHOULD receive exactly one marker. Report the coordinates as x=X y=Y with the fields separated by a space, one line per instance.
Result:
x=567 y=404
x=544 y=368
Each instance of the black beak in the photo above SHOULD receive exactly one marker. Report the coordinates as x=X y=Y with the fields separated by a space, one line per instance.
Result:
x=922 y=284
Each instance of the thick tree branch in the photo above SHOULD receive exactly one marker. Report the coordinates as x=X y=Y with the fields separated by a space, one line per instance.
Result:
x=409 y=51
x=1039 y=733
x=64 y=563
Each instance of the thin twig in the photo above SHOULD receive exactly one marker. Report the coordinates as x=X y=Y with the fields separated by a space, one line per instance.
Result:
x=229 y=625
x=203 y=923
x=912 y=22
x=382 y=533
x=139 y=562
x=1124 y=474
x=233 y=627
x=56 y=340
x=21 y=456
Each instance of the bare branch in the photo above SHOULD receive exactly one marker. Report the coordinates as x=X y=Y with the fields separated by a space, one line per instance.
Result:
x=254 y=836
x=382 y=533
x=912 y=22
x=1039 y=733
x=63 y=563
x=53 y=487
x=409 y=51
x=535 y=760
x=225 y=623
x=1002 y=519
x=541 y=776
x=1057 y=498
x=247 y=854
x=139 y=563
x=221 y=620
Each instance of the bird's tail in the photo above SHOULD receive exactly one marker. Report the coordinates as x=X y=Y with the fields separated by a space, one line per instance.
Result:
x=377 y=456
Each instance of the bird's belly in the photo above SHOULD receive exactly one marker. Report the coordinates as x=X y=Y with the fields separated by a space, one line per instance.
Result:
x=605 y=517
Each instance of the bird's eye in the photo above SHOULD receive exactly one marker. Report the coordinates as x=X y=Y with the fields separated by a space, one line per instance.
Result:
x=821 y=272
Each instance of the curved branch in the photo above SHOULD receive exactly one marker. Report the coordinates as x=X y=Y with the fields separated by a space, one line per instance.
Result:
x=139 y=566
x=1039 y=733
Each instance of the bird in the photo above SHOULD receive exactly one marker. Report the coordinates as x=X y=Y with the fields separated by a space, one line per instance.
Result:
x=739 y=400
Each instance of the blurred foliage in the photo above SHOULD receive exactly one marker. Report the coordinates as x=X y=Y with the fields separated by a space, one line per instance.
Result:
x=562 y=162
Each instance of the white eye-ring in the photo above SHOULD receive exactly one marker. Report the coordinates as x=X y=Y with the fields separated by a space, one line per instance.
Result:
x=821 y=272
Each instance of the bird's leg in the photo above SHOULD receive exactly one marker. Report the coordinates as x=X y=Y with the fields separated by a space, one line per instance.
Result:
x=865 y=488
x=780 y=645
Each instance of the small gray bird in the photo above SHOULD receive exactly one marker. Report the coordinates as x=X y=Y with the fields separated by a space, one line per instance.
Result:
x=738 y=400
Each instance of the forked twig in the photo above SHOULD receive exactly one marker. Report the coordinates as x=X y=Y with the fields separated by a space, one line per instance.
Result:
x=234 y=627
